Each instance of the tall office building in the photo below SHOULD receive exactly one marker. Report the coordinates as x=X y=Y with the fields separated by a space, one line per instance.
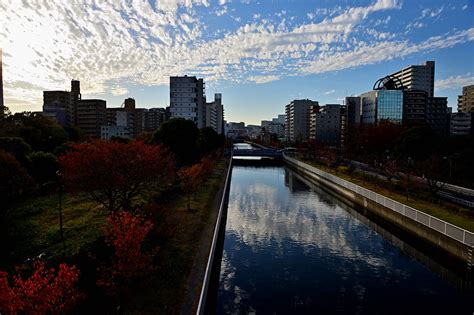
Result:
x=381 y=105
x=215 y=114
x=466 y=100
x=2 y=104
x=188 y=99
x=297 y=126
x=417 y=77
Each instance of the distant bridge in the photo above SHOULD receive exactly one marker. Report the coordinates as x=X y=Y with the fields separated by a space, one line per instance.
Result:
x=257 y=152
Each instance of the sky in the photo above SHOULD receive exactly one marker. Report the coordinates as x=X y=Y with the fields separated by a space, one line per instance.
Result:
x=260 y=54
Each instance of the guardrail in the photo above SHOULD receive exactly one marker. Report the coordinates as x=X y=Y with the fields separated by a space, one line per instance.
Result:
x=443 y=227
x=207 y=275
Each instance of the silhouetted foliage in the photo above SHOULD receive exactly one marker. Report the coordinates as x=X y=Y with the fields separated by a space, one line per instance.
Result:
x=180 y=136
x=113 y=173
x=75 y=134
x=417 y=142
x=17 y=147
x=434 y=173
x=41 y=133
x=44 y=167
x=209 y=140
x=14 y=181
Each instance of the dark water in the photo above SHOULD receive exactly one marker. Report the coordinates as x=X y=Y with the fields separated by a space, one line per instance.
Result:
x=292 y=249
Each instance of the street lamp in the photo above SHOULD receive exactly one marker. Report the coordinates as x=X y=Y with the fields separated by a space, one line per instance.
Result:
x=60 y=204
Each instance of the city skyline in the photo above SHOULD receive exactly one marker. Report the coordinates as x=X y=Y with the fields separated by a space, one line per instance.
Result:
x=262 y=59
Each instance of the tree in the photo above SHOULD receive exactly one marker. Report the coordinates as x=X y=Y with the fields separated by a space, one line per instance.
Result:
x=41 y=133
x=44 y=167
x=191 y=177
x=114 y=173
x=126 y=233
x=390 y=169
x=209 y=140
x=180 y=136
x=417 y=142
x=434 y=173
x=14 y=181
x=44 y=292
x=17 y=147
x=409 y=181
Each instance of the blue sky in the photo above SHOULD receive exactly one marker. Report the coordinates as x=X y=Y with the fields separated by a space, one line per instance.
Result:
x=259 y=54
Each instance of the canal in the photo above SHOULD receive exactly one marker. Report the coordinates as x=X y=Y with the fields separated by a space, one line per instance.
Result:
x=292 y=248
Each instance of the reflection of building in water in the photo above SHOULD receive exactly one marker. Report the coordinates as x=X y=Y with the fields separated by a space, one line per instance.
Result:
x=294 y=183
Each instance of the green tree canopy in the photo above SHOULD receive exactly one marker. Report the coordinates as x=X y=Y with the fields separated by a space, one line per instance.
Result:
x=209 y=140
x=44 y=166
x=180 y=136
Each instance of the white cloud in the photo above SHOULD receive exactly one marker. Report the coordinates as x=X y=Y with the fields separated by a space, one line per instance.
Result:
x=465 y=7
x=454 y=82
x=108 y=42
x=118 y=90
x=330 y=92
x=264 y=78
x=221 y=11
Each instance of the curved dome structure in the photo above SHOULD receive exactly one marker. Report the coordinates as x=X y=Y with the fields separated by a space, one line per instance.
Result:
x=388 y=83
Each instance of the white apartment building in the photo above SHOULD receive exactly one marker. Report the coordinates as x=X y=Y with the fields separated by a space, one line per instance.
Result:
x=187 y=99
x=418 y=77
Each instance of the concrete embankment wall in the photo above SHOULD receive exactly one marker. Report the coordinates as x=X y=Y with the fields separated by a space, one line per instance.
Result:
x=450 y=238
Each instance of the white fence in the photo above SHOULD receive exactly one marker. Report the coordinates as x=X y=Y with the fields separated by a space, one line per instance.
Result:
x=448 y=229
x=210 y=260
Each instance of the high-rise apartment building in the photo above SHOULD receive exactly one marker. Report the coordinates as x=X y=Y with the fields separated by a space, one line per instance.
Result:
x=417 y=77
x=297 y=126
x=460 y=124
x=466 y=100
x=154 y=117
x=414 y=106
x=188 y=99
x=215 y=114
x=437 y=115
x=56 y=103
x=329 y=123
x=91 y=115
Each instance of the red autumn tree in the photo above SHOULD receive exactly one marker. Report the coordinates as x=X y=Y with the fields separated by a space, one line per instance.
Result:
x=114 y=173
x=207 y=164
x=126 y=232
x=191 y=177
x=44 y=292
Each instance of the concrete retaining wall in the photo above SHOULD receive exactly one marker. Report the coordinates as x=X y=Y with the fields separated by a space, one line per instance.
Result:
x=452 y=239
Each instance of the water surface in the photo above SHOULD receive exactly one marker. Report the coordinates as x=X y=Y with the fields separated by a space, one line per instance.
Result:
x=292 y=249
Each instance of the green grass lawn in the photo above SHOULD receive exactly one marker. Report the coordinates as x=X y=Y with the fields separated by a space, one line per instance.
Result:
x=443 y=210
x=34 y=226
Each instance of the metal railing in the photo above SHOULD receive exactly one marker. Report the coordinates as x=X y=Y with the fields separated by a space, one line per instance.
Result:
x=207 y=275
x=459 y=234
